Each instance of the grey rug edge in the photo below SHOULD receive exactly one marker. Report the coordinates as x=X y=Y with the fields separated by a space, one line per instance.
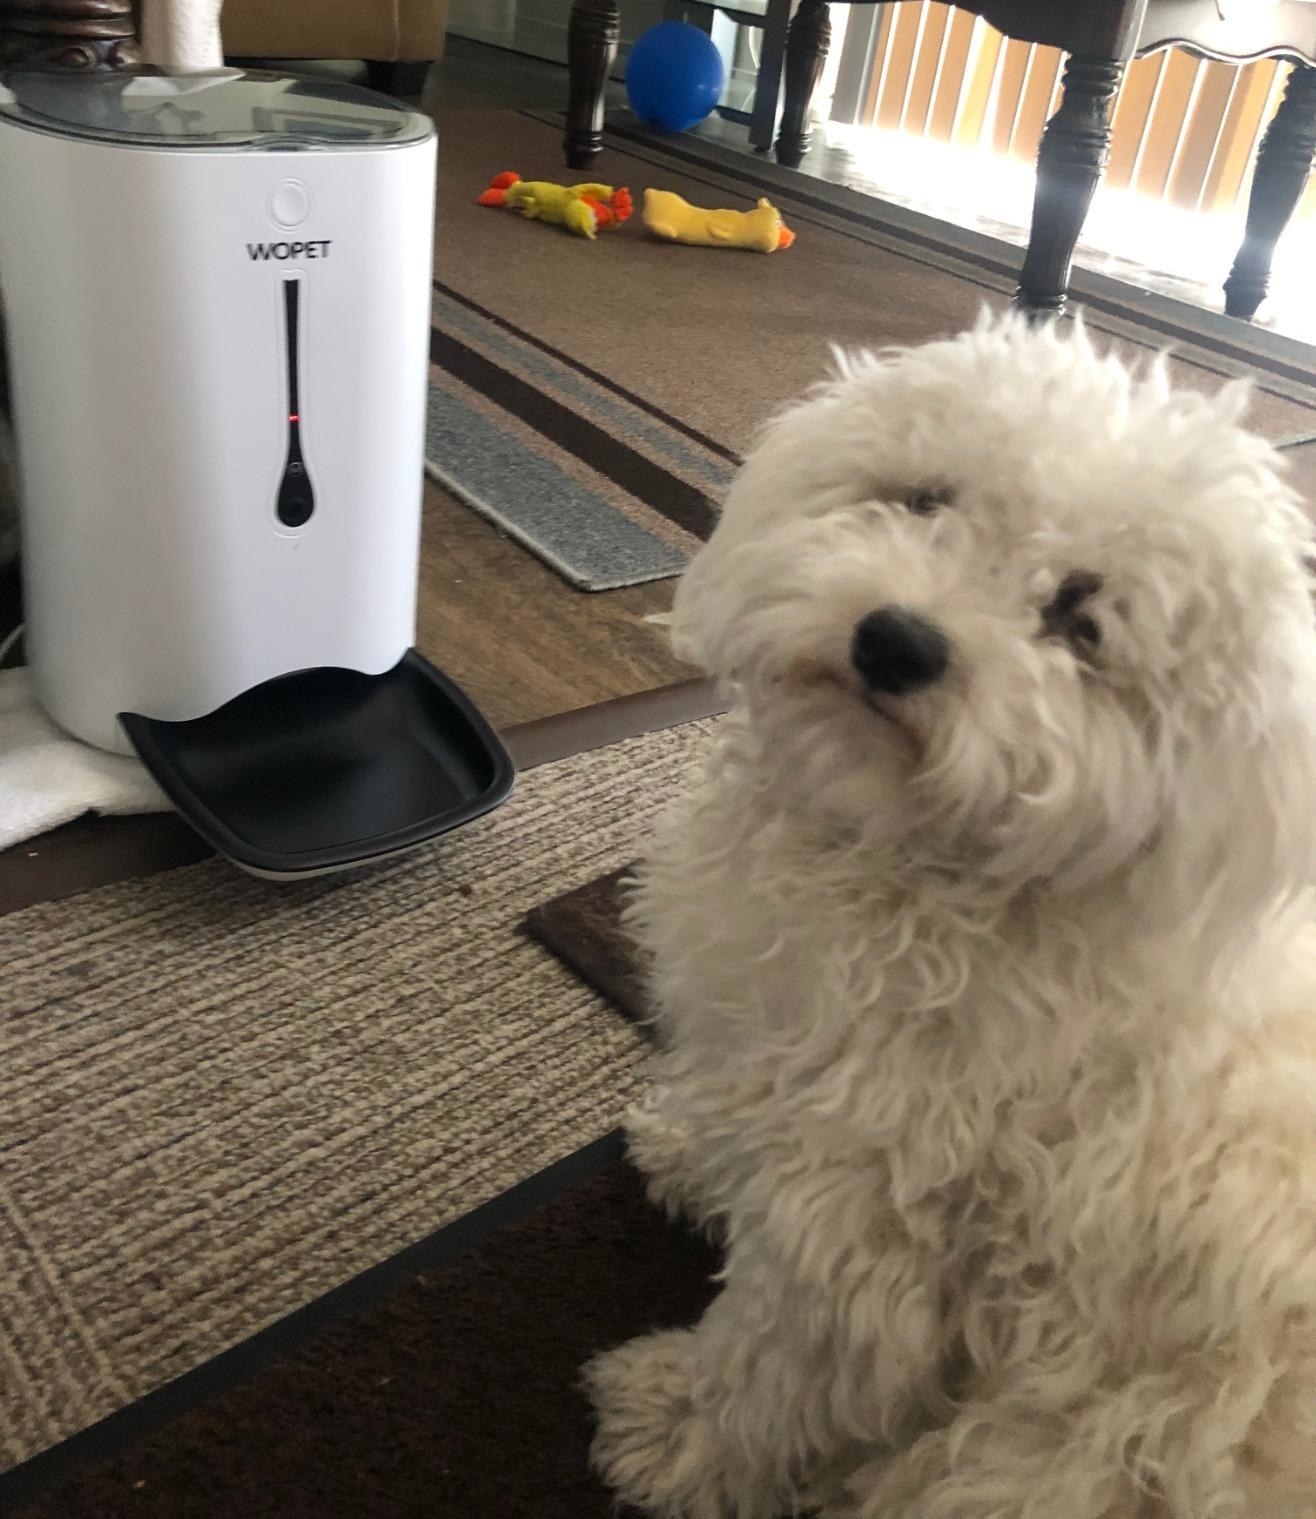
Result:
x=572 y=574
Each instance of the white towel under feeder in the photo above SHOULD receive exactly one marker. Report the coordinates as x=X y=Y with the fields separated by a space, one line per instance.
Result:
x=48 y=778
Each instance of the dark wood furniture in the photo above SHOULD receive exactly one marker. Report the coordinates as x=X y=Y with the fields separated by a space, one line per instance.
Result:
x=91 y=35
x=1283 y=163
x=1101 y=37
x=86 y=35
x=396 y=76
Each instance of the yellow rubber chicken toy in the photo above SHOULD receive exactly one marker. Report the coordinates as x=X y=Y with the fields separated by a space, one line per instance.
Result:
x=669 y=216
x=582 y=209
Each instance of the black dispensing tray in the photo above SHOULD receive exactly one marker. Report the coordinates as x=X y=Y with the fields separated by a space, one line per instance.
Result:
x=329 y=768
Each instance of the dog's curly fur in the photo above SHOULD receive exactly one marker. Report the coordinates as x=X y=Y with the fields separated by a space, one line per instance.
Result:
x=988 y=1011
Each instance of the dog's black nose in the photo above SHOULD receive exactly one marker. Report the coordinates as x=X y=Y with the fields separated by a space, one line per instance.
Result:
x=896 y=651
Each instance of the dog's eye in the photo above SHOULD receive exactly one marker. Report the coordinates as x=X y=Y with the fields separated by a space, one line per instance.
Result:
x=1064 y=615
x=1073 y=591
x=927 y=500
x=1084 y=630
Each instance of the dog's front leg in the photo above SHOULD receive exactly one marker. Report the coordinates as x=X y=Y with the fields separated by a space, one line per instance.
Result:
x=660 y=1146
x=1014 y=1458
x=750 y=1414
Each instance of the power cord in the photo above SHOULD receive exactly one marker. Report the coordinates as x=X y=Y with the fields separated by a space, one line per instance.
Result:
x=10 y=643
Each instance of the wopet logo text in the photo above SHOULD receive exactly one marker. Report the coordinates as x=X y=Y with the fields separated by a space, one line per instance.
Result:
x=283 y=251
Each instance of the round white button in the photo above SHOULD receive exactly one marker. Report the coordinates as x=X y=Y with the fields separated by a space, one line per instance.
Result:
x=290 y=203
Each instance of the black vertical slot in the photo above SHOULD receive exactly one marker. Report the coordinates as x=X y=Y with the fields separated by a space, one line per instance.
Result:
x=296 y=498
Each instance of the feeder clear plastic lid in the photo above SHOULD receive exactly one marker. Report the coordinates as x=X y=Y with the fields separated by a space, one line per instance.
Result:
x=228 y=109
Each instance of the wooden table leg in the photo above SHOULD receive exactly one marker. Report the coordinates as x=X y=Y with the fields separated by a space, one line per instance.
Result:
x=1283 y=164
x=1070 y=162
x=84 y=35
x=807 y=43
x=767 y=86
x=591 y=49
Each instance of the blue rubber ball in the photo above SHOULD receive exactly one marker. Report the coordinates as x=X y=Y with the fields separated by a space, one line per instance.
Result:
x=674 y=76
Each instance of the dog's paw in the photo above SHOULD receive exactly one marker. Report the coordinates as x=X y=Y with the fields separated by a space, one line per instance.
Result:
x=652 y=1447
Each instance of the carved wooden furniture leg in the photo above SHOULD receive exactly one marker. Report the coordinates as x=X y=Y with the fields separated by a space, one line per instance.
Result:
x=591 y=48
x=807 y=43
x=86 y=35
x=1283 y=163
x=767 y=86
x=1070 y=162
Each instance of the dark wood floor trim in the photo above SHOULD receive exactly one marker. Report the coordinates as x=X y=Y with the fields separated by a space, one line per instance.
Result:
x=112 y=1435
x=100 y=851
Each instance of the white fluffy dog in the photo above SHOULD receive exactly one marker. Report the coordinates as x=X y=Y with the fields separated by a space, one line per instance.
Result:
x=985 y=983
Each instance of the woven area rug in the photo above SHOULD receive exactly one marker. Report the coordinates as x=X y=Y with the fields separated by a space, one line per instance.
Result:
x=220 y=1098
x=452 y=1393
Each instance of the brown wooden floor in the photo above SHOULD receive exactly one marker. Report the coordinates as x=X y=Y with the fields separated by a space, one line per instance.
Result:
x=523 y=642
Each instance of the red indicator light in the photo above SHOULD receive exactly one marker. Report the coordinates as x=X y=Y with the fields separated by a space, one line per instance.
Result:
x=294 y=416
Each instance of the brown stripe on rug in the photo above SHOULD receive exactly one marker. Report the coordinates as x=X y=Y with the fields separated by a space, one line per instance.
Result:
x=605 y=492
x=475 y=453
x=687 y=507
x=594 y=376
x=222 y=1097
x=524 y=441
x=447 y=1388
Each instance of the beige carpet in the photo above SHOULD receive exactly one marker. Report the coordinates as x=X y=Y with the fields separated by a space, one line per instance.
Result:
x=220 y=1098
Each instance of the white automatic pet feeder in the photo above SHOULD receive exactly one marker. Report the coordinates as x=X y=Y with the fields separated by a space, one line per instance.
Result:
x=217 y=295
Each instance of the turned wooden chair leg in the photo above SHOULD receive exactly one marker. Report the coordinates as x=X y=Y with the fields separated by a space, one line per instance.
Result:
x=591 y=49
x=87 y=36
x=1070 y=163
x=1283 y=165
x=767 y=86
x=807 y=42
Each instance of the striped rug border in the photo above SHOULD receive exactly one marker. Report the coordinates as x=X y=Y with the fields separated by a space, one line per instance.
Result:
x=657 y=482
x=604 y=382
x=543 y=496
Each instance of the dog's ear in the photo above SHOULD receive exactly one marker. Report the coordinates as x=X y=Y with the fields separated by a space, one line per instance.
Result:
x=1238 y=842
